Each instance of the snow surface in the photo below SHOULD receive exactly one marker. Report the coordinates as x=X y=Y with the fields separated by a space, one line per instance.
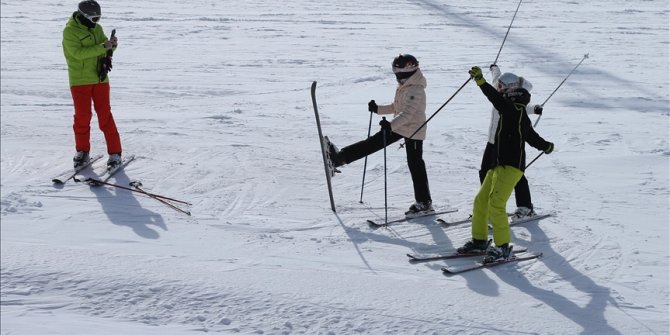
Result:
x=213 y=98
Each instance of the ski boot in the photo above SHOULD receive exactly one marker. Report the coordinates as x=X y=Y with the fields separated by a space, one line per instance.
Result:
x=80 y=159
x=498 y=253
x=474 y=247
x=332 y=156
x=420 y=209
x=522 y=213
x=113 y=162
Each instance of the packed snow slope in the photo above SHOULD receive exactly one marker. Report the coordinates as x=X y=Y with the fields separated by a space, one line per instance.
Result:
x=213 y=99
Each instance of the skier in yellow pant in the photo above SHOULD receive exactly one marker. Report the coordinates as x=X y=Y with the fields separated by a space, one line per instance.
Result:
x=513 y=130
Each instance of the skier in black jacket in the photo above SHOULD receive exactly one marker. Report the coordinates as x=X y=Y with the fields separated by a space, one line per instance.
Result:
x=513 y=130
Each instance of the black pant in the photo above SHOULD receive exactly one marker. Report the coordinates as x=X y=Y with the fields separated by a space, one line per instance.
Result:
x=414 y=149
x=521 y=190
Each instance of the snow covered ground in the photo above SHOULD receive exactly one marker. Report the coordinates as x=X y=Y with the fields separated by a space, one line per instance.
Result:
x=213 y=99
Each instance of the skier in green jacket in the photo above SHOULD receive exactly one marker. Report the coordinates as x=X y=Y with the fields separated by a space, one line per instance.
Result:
x=85 y=47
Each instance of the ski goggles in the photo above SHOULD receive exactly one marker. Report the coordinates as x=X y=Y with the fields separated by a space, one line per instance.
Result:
x=405 y=69
x=92 y=18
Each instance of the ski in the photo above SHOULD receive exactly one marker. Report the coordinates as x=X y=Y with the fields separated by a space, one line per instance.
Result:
x=324 y=149
x=69 y=174
x=480 y=265
x=529 y=218
x=512 y=221
x=383 y=224
x=454 y=223
x=108 y=173
x=427 y=257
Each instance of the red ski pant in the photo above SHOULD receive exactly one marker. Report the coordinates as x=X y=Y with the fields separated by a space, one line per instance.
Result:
x=99 y=94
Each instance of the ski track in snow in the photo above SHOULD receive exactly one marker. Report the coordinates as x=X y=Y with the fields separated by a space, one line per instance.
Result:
x=213 y=99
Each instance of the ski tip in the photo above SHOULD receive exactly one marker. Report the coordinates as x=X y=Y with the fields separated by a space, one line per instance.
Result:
x=314 y=84
x=446 y=271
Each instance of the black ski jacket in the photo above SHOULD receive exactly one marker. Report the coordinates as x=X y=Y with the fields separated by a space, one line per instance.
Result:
x=514 y=129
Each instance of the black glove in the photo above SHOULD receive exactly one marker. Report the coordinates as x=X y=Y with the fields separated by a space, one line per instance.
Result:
x=107 y=61
x=492 y=66
x=372 y=106
x=386 y=126
x=549 y=149
x=538 y=109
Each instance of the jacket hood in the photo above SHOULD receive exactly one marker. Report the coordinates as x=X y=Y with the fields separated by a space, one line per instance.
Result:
x=76 y=21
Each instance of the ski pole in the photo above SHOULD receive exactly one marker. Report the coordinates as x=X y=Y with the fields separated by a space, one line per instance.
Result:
x=508 y=29
x=559 y=85
x=533 y=161
x=136 y=184
x=438 y=110
x=385 y=130
x=106 y=65
x=97 y=182
x=467 y=81
x=365 y=164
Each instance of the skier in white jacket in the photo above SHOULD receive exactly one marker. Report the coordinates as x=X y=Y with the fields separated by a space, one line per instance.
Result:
x=503 y=82
x=409 y=110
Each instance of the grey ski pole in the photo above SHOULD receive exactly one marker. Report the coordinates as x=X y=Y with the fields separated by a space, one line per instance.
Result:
x=533 y=161
x=365 y=164
x=508 y=29
x=438 y=110
x=467 y=81
x=386 y=129
x=559 y=85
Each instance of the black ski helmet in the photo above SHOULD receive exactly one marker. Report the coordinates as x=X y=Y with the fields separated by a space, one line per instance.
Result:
x=404 y=66
x=518 y=95
x=90 y=9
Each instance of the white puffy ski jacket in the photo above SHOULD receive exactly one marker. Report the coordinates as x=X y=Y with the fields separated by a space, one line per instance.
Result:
x=408 y=107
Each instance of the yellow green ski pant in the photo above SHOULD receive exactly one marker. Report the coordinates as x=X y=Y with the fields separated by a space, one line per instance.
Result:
x=491 y=204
